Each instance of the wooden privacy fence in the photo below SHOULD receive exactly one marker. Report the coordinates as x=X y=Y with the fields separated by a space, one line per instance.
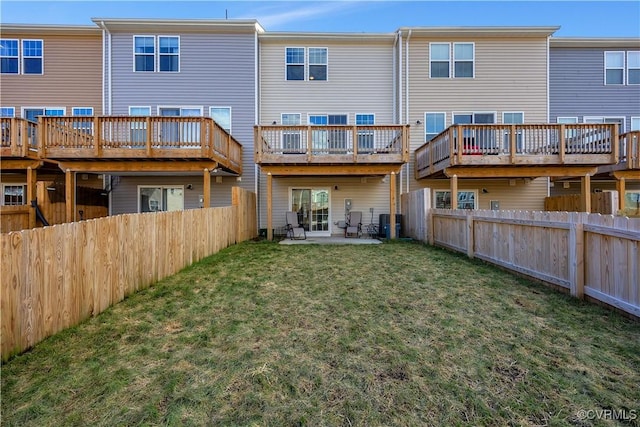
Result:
x=588 y=254
x=605 y=203
x=56 y=277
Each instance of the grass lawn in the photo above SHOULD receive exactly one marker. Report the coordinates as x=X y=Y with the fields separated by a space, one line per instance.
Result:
x=395 y=334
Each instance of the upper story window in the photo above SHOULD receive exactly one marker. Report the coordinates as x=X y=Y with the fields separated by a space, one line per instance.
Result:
x=82 y=111
x=222 y=116
x=313 y=68
x=144 y=53
x=139 y=111
x=633 y=68
x=463 y=59
x=635 y=123
x=7 y=112
x=599 y=119
x=614 y=68
x=31 y=56
x=169 y=53
x=441 y=66
x=439 y=60
x=516 y=118
x=24 y=58
x=434 y=123
x=473 y=118
x=9 y=57
x=153 y=53
x=366 y=137
x=567 y=120
x=317 y=63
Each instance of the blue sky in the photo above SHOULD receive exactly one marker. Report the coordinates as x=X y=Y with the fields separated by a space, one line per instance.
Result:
x=576 y=18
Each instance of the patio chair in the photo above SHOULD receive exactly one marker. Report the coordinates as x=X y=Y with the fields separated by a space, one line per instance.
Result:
x=354 y=224
x=294 y=230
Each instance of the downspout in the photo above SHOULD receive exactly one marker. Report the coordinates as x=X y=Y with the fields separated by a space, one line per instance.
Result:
x=407 y=109
x=548 y=107
x=256 y=112
x=395 y=78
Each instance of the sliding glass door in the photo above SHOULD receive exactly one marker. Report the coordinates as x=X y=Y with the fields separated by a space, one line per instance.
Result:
x=312 y=206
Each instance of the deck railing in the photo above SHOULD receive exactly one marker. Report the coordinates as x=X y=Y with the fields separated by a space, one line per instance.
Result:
x=331 y=144
x=18 y=137
x=143 y=137
x=528 y=144
x=630 y=149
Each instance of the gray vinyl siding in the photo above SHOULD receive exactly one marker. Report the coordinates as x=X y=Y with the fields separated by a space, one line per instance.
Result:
x=577 y=89
x=215 y=70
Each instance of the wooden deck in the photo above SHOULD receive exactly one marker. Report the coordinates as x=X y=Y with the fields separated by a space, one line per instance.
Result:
x=518 y=150
x=18 y=143
x=112 y=140
x=332 y=149
x=629 y=164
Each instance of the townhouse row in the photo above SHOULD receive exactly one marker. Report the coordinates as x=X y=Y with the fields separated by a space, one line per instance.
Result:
x=322 y=123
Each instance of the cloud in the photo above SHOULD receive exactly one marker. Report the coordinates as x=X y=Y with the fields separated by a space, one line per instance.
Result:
x=285 y=14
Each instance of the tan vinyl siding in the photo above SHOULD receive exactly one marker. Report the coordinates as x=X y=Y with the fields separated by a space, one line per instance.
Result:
x=360 y=80
x=522 y=196
x=72 y=74
x=371 y=194
x=510 y=75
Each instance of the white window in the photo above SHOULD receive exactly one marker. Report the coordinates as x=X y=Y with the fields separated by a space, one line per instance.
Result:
x=632 y=200
x=183 y=132
x=32 y=113
x=328 y=140
x=434 y=123
x=14 y=194
x=82 y=111
x=439 y=60
x=509 y=118
x=317 y=63
x=160 y=199
x=619 y=120
x=169 y=53
x=567 y=120
x=32 y=57
x=311 y=67
x=291 y=138
x=633 y=68
x=466 y=199
x=474 y=118
x=222 y=116
x=463 y=60
x=614 y=68
x=144 y=49
x=139 y=111
x=295 y=63
x=366 y=137
x=7 y=112
x=635 y=123
x=9 y=56
x=138 y=131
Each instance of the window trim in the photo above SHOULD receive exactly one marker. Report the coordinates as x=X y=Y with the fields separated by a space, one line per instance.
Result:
x=624 y=67
x=291 y=114
x=453 y=60
x=425 y=123
x=140 y=106
x=211 y=107
x=308 y=63
x=629 y=68
x=14 y=184
x=13 y=112
x=474 y=191
x=23 y=57
x=159 y=54
x=155 y=59
x=162 y=187
x=304 y=65
x=448 y=60
x=18 y=46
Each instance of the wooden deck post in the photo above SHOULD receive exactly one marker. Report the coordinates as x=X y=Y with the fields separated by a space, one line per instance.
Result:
x=70 y=192
x=206 y=192
x=269 y=206
x=585 y=193
x=392 y=203
x=454 y=191
x=621 y=187
x=31 y=195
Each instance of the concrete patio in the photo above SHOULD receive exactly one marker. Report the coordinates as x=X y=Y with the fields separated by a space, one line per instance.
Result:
x=333 y=240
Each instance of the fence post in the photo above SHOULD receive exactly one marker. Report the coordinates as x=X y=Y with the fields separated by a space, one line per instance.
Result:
x=430 y=230
x=470 y=243
x=576 y=257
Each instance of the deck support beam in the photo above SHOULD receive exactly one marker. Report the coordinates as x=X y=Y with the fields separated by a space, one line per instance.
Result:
x=392 y=206
x=621 y=187
x=269 y=206
x=585 y=193
x=31 y=195
x=206 y=192
x=454 y=191
x=70 y=192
